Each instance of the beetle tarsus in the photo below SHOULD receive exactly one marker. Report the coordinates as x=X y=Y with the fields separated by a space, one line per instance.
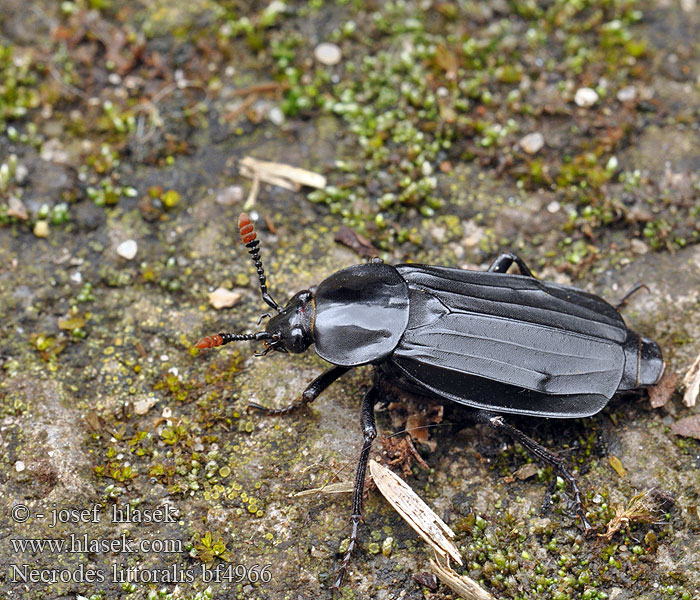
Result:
x=271 y=411
x=546 y=456
x=548 y=493
x=312 y=391
x=369 y=432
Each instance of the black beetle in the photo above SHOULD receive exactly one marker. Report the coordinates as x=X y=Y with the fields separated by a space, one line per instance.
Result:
x=492 y=341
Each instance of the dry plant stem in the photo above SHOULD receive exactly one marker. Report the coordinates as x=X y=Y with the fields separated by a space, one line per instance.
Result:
x=466 y=587
x=261 y=88
x=415 y=512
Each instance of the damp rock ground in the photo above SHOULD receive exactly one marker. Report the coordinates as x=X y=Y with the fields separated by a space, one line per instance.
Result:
x=121 y=129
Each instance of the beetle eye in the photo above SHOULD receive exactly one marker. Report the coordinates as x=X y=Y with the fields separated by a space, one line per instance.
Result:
x=295 y=341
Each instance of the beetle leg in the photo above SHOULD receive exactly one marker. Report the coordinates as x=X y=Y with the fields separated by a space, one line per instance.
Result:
x=546 y=456
x=263 y=316
x=369 y=432
x=310 y=394
x=503 y=262
x=635 y=288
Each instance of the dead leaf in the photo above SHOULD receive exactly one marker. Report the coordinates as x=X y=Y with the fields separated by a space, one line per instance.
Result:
x=617 y=465
x=94 y=421
x=446 y=60
x=401 y=451
x=688 y=427
x=355 y=241
x=661 y=393
x=447 y=112
x=417 y=427
x=70 y=322
x=16 y=208
x=526 y=471
x=428 y=580
x=415 y=415
x=415 y=512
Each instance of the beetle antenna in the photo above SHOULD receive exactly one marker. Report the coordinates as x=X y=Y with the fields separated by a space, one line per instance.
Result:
x=248 y=237
x=220 y=339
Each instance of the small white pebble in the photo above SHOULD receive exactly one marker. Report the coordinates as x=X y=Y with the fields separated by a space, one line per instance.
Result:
x=76 y=277
x=585 y=97
x=229 y=196
x=167 y=412
x=127 y=249
x=276 y=116
x=141 y=407
x=627 y=93
x=638 y=246
x=19 y=466
x=21 y=172
x=553 y=207
x=223 y=298
x=328 y=54
x=41 y=229
x=532 y=142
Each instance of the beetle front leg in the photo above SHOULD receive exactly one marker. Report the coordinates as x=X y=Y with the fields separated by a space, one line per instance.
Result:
x=546 y=456
x=503 y=262
x=313 y=391
x=369 y=432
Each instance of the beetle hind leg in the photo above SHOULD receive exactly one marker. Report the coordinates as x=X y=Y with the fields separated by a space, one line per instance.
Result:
x=633 y=290
x=313 y=391
x=369 y=432
x=546 y=456
x=503 y=262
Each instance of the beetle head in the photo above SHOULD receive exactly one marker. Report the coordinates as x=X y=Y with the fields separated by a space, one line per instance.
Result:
x=290 y=329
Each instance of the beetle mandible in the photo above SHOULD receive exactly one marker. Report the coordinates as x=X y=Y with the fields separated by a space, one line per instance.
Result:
x=489 y=340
